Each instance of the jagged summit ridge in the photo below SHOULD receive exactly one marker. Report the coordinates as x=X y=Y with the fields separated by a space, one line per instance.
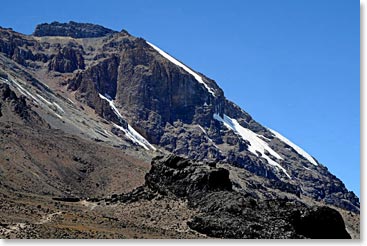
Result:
x=71 y=29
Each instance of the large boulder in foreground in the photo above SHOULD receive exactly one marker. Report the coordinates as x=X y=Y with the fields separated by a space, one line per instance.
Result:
x=223 y=212
x=178 y=176
x=321 y=222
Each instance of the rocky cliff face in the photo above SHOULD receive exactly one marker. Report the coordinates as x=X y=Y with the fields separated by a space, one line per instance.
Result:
x=20 y=48
x=67 y=60
x=152 y=99
x=71 y=29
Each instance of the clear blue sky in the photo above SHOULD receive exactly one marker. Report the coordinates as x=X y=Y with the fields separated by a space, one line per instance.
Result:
x=292 y=64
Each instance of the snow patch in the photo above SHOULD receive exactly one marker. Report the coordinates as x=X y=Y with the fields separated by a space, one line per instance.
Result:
x=130 y=132
x=112 y=104
x=44 y=99
x=25 y=92
x=22 y=92
x=295 y=147
x=206 y=135
x=59 y=116
x=135 y=137
x=174 y=61
x=256 y=143
x=306 y=168
x=70 y=101
x=139 y=138
x=107 y=133
x=202 y=129
x=59 y=107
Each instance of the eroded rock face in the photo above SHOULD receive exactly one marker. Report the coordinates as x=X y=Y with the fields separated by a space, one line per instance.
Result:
x=101 y=78
x=67 y=60
x=18 y=48
x=72 y=29
x=149 y=90
x=225 y=213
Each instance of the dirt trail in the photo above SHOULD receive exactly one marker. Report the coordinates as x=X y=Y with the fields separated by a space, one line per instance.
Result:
x=47 y=218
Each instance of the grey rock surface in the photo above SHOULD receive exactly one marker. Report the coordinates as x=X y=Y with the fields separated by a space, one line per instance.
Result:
x=71 y=29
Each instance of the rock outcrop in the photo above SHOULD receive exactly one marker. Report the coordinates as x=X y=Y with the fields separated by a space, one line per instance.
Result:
x=226 y=213
x=180 y=177
x=19 y=48
x=72 y=29
x=321 y=222
x=67 y=60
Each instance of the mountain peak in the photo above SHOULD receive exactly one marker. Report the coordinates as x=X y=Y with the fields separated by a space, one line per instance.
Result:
x=71 y=29
x=87 y=118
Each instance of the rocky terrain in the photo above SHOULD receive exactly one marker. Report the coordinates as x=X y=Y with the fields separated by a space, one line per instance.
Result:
x=226 y=213
x=83 y=111
x=72 y=29
x=179 y=199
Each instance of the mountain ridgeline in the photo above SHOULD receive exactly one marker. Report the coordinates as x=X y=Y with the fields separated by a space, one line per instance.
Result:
x=121 y=91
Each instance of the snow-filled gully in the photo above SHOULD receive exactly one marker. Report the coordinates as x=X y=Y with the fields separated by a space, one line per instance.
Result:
x=256 y=143
x=130 y=132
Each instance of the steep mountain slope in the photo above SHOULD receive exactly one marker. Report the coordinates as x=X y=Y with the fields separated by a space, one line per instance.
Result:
x=37 y=159
x=103 y=103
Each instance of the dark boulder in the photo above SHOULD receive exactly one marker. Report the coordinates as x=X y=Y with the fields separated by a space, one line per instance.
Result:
x=180 y=177
x=321 y=223
x=66 y=199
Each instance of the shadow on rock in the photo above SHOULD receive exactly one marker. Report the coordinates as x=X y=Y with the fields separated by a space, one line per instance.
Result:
x=225 y=213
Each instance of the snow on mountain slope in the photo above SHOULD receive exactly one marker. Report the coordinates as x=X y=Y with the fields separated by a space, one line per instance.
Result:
x=112 y=104
x=295 y=147
x=130 y=132
x=44 y=99
x=174 y=61
x=59 y=107
x=24 y=91
x=135 y=137
x=52 y=107
x=69 y=118
x=256 y=143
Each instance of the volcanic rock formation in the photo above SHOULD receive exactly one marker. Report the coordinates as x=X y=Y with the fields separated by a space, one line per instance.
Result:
x=84 y=109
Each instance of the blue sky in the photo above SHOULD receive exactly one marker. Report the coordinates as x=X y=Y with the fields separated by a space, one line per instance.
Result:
x=293 y=65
